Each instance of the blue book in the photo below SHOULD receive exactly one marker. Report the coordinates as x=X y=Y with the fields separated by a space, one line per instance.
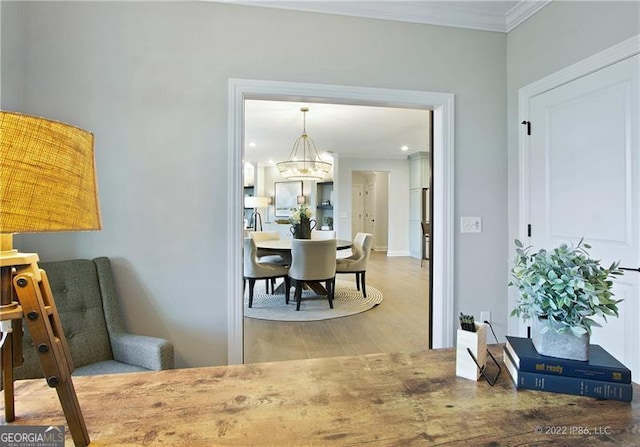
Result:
x=600 y=366
x=567 y=385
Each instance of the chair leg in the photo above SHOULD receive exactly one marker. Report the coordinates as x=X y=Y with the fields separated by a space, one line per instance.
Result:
x=364 y=287
x=273 y=286
x=357 y=282
x=287 y=288
x=331 y=289
x=252 y=283
x=298 y=294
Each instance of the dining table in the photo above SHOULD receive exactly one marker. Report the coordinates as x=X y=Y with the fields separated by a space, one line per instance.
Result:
x=373 y=400
x=284 y=246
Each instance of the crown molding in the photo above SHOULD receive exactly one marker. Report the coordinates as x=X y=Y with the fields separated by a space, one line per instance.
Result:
x=459 y=14
x=522 y=11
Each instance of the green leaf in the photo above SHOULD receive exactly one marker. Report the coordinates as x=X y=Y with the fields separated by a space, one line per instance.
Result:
x=578 y=330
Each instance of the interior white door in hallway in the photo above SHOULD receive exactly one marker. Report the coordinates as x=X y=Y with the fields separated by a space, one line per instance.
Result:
x=584 y=182
x=357 y=213
x=370 y=208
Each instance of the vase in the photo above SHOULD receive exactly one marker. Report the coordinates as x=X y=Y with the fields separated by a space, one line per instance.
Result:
x=303 y=229
x=565 y=345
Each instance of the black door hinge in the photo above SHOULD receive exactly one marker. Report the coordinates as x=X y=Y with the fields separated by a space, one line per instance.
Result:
x=529 y=230
x=528 y=124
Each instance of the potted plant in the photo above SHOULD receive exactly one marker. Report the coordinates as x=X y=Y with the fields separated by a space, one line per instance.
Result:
x=301 y=222
x=560 y=291
x=327 y=223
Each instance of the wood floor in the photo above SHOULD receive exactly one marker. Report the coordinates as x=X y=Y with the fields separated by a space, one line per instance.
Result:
x=399 y=324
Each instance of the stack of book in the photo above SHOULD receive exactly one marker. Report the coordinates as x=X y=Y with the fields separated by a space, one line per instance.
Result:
x=602 y=376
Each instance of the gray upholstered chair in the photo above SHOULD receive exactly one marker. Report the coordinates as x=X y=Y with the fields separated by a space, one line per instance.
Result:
x=255 y=269
x=85 y=296
x=357 y=262
x=313 y=260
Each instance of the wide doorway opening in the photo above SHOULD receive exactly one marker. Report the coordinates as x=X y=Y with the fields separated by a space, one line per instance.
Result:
x=442 y=107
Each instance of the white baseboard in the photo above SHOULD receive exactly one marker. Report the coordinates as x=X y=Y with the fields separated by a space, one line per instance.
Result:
x=398 y=253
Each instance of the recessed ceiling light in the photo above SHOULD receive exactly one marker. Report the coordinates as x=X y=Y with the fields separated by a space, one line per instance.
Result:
x=252 y=144
x=404 y=148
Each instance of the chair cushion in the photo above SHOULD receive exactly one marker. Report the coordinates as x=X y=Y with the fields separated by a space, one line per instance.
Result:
x=349 y=266
x=76 y=292
x=107 y=367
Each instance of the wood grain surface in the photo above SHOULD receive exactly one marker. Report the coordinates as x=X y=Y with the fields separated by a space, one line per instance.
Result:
x=377 y=399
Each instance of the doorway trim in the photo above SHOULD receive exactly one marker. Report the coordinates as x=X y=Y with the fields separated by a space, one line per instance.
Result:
x=442 y=105
x=612 y=55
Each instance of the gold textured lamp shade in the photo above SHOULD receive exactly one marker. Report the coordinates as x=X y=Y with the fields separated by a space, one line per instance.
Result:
x=47 y=176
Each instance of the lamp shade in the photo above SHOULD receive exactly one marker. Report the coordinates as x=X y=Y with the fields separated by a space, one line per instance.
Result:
x=304 y=162
x=256 y=201
x=47 y=176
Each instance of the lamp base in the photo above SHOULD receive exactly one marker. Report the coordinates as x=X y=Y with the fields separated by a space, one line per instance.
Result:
x=21 y=278
x=6 y=242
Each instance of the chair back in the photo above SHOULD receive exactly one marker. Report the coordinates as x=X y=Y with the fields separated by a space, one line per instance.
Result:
x=264 y=235
x=77 y=289
x=250 y=258
x=313 y=259
x=323 y=234
x=362 y=244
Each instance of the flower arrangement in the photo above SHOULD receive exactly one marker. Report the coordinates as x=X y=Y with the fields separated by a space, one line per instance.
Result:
x=298 y=213
x=563 y=286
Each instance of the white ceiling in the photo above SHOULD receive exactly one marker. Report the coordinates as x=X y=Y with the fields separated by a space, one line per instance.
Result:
x=347 y=130
x=364 y=131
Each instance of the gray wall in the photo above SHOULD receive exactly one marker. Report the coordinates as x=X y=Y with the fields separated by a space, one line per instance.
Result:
x=150 y=80
x=11 y=51
x=561 y=34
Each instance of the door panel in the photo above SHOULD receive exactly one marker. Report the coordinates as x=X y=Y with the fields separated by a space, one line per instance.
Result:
x=584 y=172
x=370 y=209
x=356 y=210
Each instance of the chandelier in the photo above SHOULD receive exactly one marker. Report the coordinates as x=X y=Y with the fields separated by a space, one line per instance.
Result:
x=304 y=162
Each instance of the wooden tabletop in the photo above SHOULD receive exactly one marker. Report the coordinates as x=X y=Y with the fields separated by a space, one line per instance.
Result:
x=285 y=244
x=377 y=400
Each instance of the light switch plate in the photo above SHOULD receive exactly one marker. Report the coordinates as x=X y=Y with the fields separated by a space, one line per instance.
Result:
x=470 y=225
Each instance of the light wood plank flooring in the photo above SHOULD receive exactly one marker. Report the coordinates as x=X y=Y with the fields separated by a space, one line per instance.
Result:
x=399 y=324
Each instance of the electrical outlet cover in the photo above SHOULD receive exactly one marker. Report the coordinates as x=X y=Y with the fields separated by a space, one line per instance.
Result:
x=470 y=225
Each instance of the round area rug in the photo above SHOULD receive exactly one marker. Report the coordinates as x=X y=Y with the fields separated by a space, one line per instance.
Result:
x=347 y=301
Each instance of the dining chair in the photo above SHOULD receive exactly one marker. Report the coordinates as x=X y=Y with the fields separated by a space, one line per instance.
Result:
x=313 y=260
x=357 y=262
x=267 y=255
x=255 y=269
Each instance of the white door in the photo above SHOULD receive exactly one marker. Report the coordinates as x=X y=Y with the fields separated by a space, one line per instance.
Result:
x=584 y=173
x=357 y=214
x=370 y=209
